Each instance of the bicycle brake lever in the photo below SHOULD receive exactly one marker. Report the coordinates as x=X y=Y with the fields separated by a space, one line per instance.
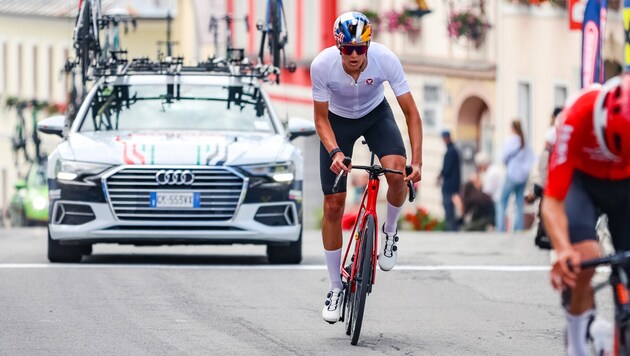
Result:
x=412 y=190
x=346 y=162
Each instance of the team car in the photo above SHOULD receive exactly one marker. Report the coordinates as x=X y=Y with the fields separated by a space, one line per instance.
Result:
x=163 y=154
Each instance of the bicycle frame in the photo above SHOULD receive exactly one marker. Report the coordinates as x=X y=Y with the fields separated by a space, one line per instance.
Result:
x=367 y=207
x=618 y=281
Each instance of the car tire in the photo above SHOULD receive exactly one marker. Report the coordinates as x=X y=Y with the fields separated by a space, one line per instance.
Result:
x=63 y=253
x=285 y=254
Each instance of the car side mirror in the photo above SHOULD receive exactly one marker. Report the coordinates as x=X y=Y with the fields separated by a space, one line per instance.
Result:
x=53 y=125
x=20 y=184
x=300 y=127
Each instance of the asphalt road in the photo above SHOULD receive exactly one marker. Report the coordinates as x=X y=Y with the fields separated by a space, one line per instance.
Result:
x=451 y=294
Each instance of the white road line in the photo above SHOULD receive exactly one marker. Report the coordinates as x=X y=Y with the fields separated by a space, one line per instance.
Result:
x=488 y=268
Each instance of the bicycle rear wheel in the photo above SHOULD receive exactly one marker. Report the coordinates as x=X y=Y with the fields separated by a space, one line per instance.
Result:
x=622 y=340
x=363 y=280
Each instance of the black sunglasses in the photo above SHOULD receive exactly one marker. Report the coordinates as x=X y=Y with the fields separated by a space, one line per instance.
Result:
x=347 y=50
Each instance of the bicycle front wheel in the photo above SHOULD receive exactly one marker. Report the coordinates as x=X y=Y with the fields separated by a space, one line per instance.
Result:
x=364 y=278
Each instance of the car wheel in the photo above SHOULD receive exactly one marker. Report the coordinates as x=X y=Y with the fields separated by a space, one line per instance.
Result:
x=63 y=253
x=286 y=254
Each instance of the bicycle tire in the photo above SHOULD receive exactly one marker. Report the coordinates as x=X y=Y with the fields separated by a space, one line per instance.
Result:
x=622 y=336
x=275 y=20
x=364 y=279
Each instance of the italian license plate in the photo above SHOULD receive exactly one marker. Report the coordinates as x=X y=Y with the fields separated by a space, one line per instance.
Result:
x=175 y=200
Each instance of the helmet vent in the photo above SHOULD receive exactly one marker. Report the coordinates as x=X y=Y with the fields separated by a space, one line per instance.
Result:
x=617 y=109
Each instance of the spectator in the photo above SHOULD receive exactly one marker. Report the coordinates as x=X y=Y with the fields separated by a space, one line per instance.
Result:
x=518 y=157
x=476 y=208
x=450 y=178
x=491 y=177
x=541 y=239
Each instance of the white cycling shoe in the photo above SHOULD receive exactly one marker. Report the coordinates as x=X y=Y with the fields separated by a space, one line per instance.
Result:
x=388 y=251
x=332 y=306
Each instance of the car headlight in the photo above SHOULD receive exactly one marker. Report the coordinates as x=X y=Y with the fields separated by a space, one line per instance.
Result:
x=40 y=203
x=280 y=172
x=75 y=170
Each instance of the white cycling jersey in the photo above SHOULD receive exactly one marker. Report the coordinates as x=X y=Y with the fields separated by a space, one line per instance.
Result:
x=351 y=99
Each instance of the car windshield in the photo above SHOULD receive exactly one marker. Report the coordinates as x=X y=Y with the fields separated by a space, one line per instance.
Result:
x=178 y=107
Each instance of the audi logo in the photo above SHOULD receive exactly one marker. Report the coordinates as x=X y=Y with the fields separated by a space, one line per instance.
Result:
x=174 y=177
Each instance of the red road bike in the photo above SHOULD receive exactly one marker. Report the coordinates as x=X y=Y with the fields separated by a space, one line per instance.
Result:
x=359 y=276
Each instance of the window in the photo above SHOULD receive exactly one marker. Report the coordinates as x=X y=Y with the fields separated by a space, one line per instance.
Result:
x=51 y=76
x=20 y=79
x=5 y=66
x=35 y=72
x=559 y=95
x=431 y=106
x=525 y=107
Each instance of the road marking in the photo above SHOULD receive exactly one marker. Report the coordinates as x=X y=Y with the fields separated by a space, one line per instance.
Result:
x=262 y=267
x=470 y=268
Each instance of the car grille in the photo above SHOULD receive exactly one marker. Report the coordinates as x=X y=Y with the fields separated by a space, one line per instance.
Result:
x=220 y=189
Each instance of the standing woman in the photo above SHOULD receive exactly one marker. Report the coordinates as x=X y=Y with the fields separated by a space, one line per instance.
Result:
x=518 y=158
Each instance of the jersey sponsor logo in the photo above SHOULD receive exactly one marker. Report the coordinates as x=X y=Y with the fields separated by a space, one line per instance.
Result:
x=562 y=144
x=369 y=81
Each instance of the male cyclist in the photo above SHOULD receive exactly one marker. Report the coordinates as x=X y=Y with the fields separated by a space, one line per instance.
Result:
x=589 y=173
x=350 y=102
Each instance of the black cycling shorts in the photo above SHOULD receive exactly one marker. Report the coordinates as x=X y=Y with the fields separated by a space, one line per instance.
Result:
x=378 y=128
x=589 y=197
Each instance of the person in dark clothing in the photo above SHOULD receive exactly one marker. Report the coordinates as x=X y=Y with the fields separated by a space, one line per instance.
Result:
x=542 y=239
x=476 y=208
x=450 y=178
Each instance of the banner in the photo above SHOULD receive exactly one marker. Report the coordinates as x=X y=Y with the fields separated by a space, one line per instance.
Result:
x=626 y=31
x=576 y=14
x=593 y=25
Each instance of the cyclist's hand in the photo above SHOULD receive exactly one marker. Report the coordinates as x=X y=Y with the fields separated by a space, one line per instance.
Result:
x=416 y=175
x=337 y=164
x=561 y=275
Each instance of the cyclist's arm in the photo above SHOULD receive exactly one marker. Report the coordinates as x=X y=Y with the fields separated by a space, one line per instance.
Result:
x=414 y=128
x=327 y=135
x=556 y=223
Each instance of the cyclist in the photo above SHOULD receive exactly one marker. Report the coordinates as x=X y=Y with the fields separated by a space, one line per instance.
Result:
x=349 y=100
x=589 y=173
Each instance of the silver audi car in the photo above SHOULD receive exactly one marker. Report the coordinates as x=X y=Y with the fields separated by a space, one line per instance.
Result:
x=191 y=158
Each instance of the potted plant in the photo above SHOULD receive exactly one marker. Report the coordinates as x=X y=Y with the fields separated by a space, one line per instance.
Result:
x=469 y=25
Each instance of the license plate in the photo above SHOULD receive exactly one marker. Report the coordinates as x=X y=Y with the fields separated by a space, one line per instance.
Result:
x=175 y=200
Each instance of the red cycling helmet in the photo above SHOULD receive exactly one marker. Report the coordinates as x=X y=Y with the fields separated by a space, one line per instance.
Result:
x=611 y=118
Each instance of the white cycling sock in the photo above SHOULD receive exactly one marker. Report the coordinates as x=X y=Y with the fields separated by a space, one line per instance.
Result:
x=392 y=218
x=333 y=263
x=577 y=329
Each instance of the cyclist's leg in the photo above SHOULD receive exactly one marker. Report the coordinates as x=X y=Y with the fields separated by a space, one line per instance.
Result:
x=581 y=215
x=384 y=139
x=615 y=203
x=334 y=204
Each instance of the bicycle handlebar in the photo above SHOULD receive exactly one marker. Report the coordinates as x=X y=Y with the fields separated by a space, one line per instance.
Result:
x=378 y=170
x=613 y=260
